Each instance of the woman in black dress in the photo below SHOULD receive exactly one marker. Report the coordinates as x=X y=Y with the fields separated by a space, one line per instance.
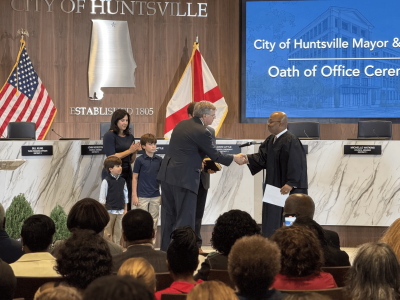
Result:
x=120 y=142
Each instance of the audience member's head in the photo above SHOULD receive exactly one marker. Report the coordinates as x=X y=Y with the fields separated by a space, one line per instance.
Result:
x=140 y=269
x=309 y=223
x=392 y=237
x=375 y=274
x=301 y=252
x=2 y=217
x=212 y=290
x=60 y=293
x=183 y=252
x=137 y=226
x=231 y=226
x=307 y=296
x=84 y=257
x=117 y=287
x=299 y=205
x=88 y=214
x=253 y=264
x=8 y=282
x=37 y=233
x=190 y=109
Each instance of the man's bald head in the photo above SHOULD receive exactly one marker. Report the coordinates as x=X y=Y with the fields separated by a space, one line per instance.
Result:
x=277 y=122
x=279 y=115
x=300 y=205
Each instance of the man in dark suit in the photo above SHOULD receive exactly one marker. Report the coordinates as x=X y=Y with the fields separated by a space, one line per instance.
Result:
x=138 y=233
x=180 y=170
x=10 y=249
x=203 y=186
x=301 y=205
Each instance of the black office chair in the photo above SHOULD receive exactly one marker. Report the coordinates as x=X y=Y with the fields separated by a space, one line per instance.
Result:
x=21 y=130
x=374 y=130
x=305 y=130
x=105 y=126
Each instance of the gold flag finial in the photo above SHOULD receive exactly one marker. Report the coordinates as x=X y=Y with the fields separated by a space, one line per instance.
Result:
x=22 y=32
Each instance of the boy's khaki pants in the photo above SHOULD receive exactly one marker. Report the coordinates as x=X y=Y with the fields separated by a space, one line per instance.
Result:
x=152 y=205
x=113 y=231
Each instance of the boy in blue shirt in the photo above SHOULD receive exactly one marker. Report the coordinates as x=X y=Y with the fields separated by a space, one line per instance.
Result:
x=145 y=187
x=114 y=196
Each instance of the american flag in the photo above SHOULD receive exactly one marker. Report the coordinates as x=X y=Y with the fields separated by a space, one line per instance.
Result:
x=24 y=98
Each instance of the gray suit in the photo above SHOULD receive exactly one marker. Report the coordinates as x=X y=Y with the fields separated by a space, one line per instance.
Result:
x=180 y=174
x=158 y=259
x=202 y=196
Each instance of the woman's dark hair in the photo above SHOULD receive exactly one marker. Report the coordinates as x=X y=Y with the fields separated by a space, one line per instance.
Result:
x=37 y=232
x=231 y=226
x=301 y=252
x=118 y=115
x=375 y=274
x=117 y=287
x=84 y=257
x=314 y=227
x=183 y=252
x=330 y=253
x=88 y=214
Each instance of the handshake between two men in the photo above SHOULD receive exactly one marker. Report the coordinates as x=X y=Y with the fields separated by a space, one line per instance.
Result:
x=240 y=159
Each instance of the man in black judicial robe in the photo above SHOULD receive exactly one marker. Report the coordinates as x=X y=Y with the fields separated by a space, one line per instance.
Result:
x=284 y=158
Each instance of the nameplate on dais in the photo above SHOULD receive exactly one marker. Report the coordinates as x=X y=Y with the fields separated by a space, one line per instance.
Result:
x=363 y=149
x=92 y=150
x=37 y=150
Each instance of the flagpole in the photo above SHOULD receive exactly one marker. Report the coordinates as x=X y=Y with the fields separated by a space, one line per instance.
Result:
x=21 y=32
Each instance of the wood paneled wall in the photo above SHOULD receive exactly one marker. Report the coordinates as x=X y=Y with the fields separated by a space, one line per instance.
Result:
x=59 y=46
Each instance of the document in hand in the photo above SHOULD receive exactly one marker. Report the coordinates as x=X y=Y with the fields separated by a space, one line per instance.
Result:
x=273 y=196
x=209 y=164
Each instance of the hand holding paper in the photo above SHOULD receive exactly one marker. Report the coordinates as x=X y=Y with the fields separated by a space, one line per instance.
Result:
x=273 y=196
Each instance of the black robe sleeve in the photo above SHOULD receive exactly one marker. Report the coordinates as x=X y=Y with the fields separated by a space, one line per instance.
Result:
x=258 y=161
x=296 y=163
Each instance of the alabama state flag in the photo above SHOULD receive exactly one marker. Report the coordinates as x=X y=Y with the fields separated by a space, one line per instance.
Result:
x=197 y=84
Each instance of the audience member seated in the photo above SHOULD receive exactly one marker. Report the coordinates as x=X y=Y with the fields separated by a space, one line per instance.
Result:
x=301 y=261
x=10 y=249
x=138 y=233
x=333 y=256
x=60 y=293
x=301 y=205
x=212 y=290
x=140 y=269
x=229 y=227
x=84 y=257
x=36 y=238
x=88 y=214
x=253 y=264
x=117 y=288
x=8 y=282
x=392 y=237
x=182 y=261
x=375 y=274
